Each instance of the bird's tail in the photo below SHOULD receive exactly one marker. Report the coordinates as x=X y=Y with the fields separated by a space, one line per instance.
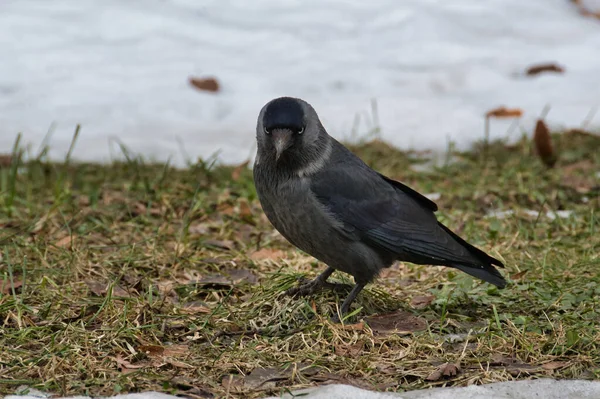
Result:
x=483 y=268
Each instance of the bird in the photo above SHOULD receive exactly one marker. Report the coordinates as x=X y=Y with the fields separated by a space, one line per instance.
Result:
x=327 y=202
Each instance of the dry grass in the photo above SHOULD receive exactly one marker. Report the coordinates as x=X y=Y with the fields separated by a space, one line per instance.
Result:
x=135 y=276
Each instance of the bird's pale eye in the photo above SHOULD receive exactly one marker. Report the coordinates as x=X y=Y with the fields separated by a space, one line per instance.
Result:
x=301 y=130
x=267 y=131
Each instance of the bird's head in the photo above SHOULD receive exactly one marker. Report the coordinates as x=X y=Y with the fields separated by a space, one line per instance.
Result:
x=288 y=130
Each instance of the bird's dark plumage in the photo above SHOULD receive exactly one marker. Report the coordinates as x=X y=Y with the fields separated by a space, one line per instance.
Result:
x=286 y=113
x=329 y=203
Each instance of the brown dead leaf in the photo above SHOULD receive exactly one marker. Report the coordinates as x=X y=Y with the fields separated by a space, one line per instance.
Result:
x=233 y=383
x=237 y=171
x=354 y=327
x=586 y=12
x=446 y=370
x=100 y=288
x=205 y=84
x=8 y=288
x=223 y=244
x=543 y=144
x=519 y=275
x=267 y=253
x=125 y=364
x=152 y=350
x=520 y=369
x=229 y=277
x=498 y=359
x=66 y=242
x=241 y=275
x=5 y=160
x=398 y=322
x=554 y=365
x=420 y=302
x=245 y=209
x=537 y=69
x=266 y=378
x=225 y=208
x=353 y=350
x=503 y=112
x=162 y=355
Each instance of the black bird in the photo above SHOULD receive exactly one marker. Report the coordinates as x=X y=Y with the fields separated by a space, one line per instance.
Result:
x=329 y=203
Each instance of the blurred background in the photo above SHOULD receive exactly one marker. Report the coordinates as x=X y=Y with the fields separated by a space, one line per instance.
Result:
x=177 y=79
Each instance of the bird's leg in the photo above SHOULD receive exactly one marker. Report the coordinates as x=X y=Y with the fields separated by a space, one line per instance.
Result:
x=348 y=301
x=312 y=286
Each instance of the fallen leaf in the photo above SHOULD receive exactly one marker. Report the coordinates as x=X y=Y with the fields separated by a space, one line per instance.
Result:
x=503 y=112
x=519 y=275
x=8 y=288
x=398 y=322
x=5 y=160
x=225 y=208
x=420 y=302
x=229 y=277
x=353 y=350
x=224 y=244
x=537 y=69
x=586 y=12
x=354 y=327
x=152 y=350
x=206 y=84
x=245 y=209
x=99 y=288
x=266 y=378
x=518 y=369
x=543 y=143
x=66 y=242
x=122 y=363
x=241 y=275
x=233 y=383
x=498 y=359
x=446 y=370
x=237 y=171
x=554 y=365
x=267 y=253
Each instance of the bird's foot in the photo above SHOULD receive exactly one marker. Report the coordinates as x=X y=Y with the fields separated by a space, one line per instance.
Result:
x=310 y=287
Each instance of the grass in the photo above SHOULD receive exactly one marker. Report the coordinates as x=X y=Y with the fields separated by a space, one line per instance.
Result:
x=135 y=276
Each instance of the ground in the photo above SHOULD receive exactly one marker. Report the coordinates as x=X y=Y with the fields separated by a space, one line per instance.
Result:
x=137 y=276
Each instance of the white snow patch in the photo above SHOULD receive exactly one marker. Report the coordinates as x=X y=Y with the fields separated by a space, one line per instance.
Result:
x=547 y=389
x=543 y=388
x=433 y=196
x=563 y=214
x=434 y=67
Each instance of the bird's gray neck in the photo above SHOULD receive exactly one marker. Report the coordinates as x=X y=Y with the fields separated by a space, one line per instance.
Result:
x=317 y=163
x=303 y=163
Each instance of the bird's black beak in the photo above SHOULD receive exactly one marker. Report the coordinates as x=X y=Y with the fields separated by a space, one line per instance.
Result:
x=282 y=140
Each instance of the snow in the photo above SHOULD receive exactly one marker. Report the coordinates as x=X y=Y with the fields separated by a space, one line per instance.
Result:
x=431 y=67
x=544 y=388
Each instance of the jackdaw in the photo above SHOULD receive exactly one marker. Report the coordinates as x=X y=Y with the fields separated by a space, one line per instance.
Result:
x=329 y=203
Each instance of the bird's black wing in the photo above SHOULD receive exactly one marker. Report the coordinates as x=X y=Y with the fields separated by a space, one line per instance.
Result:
x=420 y=198
x=373 y=209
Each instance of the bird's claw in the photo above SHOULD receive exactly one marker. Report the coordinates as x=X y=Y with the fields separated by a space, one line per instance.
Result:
x=304 y=289
x=311 y=286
